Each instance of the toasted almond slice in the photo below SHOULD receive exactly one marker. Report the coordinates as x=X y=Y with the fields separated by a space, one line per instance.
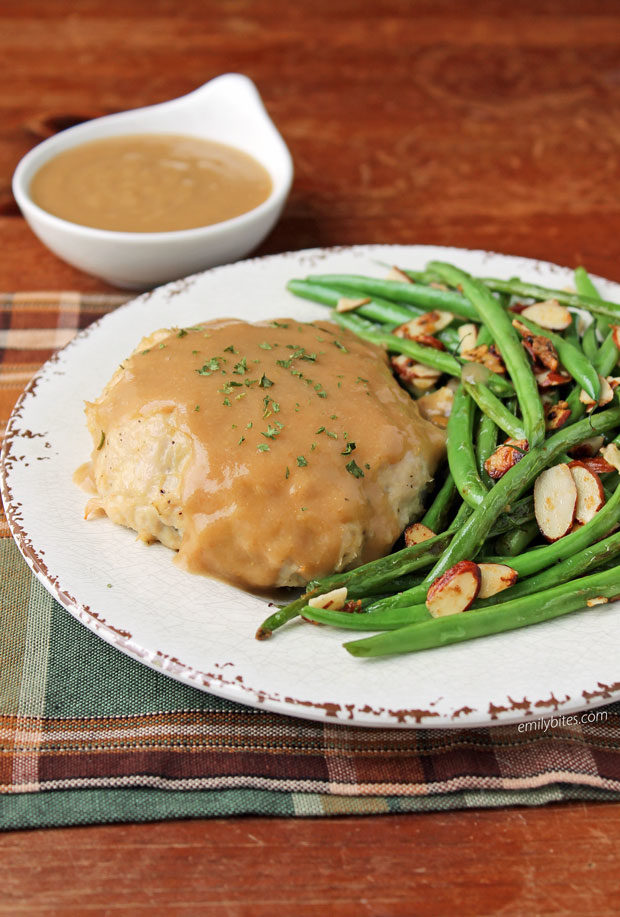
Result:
x=395 y=273
x=598 y=464
x=549 y=314
x=333 y=600
x=495 y=578
x=487 y=356
x=587 y=448
x=422 y=371
x=345 y=304
x=422 y=385
x=437 y=406
x=416 y=533
x=549 y=378
x=455 y=590
x=598 y=600
x=606 y=395
x=468 y=336
x=555 y=501
x=556 y=415
x=614 y=381
x=590 y=493
x=611 y=454
x=429 y=323
x=429 y=341
x=504 y=457
x=616 y=333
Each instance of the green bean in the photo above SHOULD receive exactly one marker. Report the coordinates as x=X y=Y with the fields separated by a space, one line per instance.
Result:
x=589 y=343
x=577 y=363
x=391 y=619
x=509 y=343
x=606 y=356
x=461 y=456
x=531 y=609
x=585 y=287
x=414 y=294
x=377 y=310
x=435 y=516
x=468 y=540
x=486 y=444
x=533 y=291
x=490 y=405
x=516 y=540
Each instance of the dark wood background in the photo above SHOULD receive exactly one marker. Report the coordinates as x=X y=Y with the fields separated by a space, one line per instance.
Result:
x=479 y=124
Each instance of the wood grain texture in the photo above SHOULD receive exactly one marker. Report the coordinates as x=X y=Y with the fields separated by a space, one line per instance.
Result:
x=481 y=124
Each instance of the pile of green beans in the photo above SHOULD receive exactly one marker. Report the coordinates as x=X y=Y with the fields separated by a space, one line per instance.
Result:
x=472 y=516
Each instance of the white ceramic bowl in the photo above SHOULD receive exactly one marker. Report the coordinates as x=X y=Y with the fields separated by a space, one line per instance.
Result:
x=227 y=109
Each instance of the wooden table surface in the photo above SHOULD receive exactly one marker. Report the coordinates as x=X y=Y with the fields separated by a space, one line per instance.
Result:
x=480 y=124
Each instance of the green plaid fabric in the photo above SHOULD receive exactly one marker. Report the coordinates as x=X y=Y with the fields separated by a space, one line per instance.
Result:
x=88 y=735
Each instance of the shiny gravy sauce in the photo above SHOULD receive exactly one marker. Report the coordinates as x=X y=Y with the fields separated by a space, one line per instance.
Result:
x=150 y=183
x=293 y=432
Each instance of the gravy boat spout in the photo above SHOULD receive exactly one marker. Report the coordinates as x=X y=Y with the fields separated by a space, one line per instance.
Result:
x=228 y=110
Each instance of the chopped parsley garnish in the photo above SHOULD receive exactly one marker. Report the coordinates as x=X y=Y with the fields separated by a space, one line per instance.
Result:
x=182 y=333
x=279 y=324
x=320 y=430
x=231 y=349
x=242 y=440
x=287 y=473
x=265 y=345
x=197 y=408
x=271 y=433
x=241 y=367
x=211 y=366
x=265 y=382
x=226 y=402
x=340 y=346
x=227 y=388
x=348 y=449
x=262 y=447
x=301 y=461
x=354 y=469
x=286 y=364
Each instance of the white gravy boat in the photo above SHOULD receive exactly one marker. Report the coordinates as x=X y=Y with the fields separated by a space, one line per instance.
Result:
x=228 y=109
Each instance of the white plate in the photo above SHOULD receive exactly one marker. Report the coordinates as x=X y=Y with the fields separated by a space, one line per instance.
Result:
x=201 y=631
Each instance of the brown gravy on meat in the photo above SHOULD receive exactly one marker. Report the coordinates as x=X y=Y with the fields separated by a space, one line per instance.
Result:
x=295 y=430
x=150 y=183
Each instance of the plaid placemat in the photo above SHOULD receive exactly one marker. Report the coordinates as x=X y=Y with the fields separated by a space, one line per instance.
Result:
x=88 y=735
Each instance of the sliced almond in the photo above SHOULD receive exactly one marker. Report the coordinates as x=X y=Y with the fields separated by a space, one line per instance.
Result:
x=606 y=395
x=345 y=304
x=549 y=314
x=437 y=406
x=556 y=415
x=418 y=386
x=427 y=340
x=416 y=533
x=588 y=447
x=616 y=335
x=540 y=348
x=333 y=600
x=598 y=464
x=611 y=454
x=409 y=371
x=504 y=457
x=428 y=323
x=598 y=600
x=455 y=590
x=395 y=273
x=590 y=493
x=487 y=356
x=614 y=381
x=555 y=501
x=495 y=578
x=468 y=336
x=549 y=378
